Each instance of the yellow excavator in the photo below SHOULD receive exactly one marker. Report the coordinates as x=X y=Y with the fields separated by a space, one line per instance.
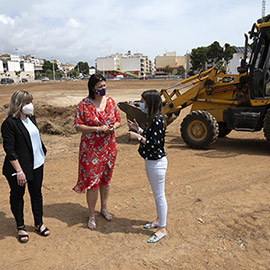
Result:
x=220 y=102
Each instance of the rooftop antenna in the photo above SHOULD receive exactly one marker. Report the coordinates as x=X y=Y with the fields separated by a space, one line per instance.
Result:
x=263 y=8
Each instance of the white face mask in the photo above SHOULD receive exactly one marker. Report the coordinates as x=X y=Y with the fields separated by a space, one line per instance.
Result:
x=28 y=109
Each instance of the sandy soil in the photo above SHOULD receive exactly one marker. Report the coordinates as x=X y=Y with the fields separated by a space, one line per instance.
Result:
x=218 y=199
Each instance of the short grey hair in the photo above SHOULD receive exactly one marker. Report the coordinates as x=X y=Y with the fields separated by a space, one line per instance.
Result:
x=16 y=101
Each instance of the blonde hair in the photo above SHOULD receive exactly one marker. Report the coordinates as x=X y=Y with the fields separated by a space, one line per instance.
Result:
x=16 y=101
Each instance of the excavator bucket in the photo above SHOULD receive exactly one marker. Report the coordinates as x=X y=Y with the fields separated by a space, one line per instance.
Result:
x=133 y=111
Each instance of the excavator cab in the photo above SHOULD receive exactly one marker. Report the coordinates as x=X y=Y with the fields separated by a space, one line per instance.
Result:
x=260 y=62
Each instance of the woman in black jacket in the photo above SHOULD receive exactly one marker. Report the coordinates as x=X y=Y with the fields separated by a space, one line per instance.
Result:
x=23 y=164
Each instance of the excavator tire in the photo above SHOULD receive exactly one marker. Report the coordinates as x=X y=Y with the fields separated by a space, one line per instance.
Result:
x=266 y=125
x=223 y=130
x=199 y=129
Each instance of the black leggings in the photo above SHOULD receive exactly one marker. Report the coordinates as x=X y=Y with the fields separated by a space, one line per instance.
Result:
x=17 y=193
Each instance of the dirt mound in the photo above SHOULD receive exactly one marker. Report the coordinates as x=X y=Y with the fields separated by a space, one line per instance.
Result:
x=51 y=119
x=55 y=120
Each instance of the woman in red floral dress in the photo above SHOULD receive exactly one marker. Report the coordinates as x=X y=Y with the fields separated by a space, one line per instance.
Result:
x=97 y=118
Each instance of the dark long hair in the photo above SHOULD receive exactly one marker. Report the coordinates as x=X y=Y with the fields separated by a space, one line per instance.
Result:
x=92 y=82
x=154 y=104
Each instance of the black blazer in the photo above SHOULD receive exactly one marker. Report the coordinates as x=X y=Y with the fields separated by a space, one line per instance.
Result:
x=17 y=145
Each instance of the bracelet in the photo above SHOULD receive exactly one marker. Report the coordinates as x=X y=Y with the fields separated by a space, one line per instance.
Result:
x=140 y=138
x=97 y=131
x=17 y=173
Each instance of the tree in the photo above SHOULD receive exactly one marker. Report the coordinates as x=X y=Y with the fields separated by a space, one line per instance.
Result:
x=38 y=75
x=228 y=52
x=168 y=70
x=82 y=67
x=73 y=73
x=47 y=66
x=18 y=73
x=214 y=53
x=198 y=58
x=180 y=71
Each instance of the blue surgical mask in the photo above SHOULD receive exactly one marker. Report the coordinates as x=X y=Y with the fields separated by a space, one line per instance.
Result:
x=143 y=108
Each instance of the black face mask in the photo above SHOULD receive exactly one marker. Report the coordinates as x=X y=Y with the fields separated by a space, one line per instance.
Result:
x=101 y=92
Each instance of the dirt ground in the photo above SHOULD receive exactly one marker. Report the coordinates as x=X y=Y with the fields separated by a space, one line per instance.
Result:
x=218 y=199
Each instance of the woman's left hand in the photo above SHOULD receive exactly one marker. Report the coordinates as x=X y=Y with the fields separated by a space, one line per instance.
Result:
x=133 y=125
x=21 y=179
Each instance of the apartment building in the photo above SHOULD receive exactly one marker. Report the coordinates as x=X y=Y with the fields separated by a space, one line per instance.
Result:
x=65 y=68
x=167 y=59
x=172 y=60
x=136 y=63
x=37 y=62
x=14 y=67
x=111 y=62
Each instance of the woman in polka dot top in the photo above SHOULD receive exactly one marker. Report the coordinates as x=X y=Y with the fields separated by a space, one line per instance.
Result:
x=152 y=150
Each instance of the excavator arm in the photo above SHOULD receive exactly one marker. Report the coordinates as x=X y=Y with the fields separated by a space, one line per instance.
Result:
x=174 y=100
x=184 y=96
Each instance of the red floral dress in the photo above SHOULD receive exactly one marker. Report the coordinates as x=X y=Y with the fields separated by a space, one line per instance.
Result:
x=97 y=150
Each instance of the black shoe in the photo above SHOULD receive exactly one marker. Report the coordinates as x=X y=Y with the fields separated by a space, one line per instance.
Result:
x=23 y=238
x=43 y=233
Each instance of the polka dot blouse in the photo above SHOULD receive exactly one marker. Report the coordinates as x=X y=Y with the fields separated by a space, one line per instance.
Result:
x=153 y=149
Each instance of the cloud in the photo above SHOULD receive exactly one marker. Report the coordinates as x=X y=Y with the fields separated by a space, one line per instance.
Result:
x=83 y=30
x=73 y=23
x=6 y=20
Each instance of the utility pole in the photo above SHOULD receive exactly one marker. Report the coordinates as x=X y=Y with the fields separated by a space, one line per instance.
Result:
x=53 y=70
x=263 y=8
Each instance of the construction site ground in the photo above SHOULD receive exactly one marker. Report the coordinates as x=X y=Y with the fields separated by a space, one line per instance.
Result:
x=218 y=199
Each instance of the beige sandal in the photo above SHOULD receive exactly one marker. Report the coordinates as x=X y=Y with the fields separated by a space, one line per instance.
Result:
x=108 y=216
x=91 y=223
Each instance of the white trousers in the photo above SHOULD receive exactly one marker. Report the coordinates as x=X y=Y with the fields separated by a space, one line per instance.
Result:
x=156 y=171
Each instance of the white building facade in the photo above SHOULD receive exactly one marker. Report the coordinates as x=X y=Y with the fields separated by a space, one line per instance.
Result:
x=131 y=64
x=111 y=62
x=14 y=67
x=137 y=63
x=1 y=66
x=235 y=62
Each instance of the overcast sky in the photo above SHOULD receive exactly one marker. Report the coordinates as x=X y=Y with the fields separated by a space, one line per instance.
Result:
x=82 y=30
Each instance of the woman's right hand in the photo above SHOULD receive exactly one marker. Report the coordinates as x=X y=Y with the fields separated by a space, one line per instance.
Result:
x=21 y=179
x=105 y=129
x=133 y=125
